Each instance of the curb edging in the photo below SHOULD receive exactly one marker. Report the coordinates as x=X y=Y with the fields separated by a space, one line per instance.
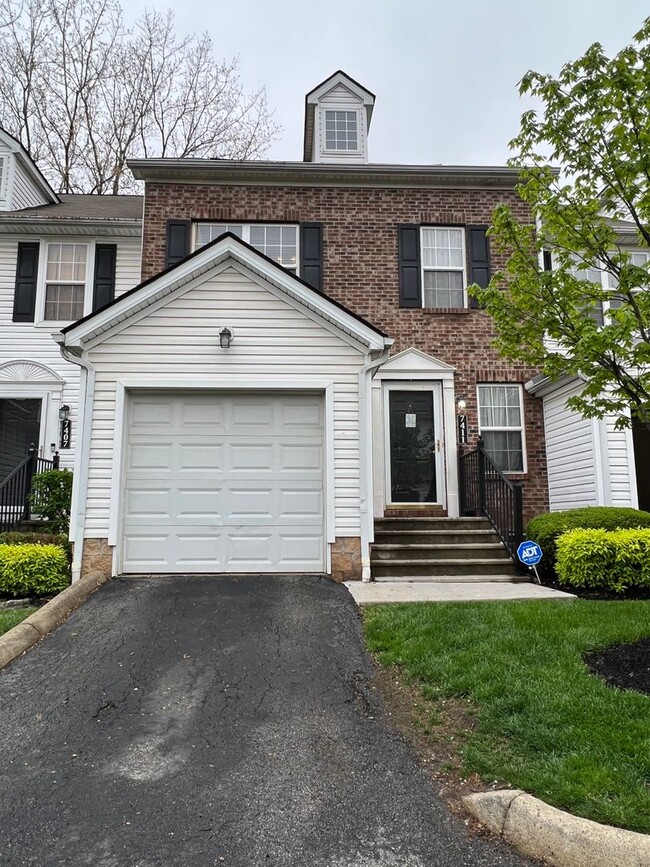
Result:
x=557 y=838
x=23 y=636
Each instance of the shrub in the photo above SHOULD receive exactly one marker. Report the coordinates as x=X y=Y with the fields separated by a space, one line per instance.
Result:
x=545 y=529
x=32 y=570
x=50 y=498
x=18 y=538
x=604 y=559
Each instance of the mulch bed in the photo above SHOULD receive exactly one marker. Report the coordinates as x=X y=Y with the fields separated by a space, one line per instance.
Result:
x=626 y=666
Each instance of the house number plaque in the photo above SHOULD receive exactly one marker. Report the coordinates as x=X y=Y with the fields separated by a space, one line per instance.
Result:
x=462 y=430
x=66 y=433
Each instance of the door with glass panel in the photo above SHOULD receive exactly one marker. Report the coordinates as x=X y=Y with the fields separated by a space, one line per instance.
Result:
x=414 y=466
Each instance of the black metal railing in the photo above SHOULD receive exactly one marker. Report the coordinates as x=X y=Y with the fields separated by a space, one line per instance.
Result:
x=485 y=490
x=15 y=490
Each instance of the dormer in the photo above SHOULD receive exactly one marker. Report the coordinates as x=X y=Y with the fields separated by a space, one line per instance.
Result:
x=21 y=183
x=337 y=120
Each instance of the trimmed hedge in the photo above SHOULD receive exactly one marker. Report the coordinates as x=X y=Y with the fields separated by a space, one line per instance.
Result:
x=32 y=570
x=604 y=559
x=18 y=538
x=545 y=529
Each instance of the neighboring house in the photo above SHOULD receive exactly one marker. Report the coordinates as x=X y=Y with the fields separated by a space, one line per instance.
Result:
x=61 y=257
x=591 y=462
x=294 y=363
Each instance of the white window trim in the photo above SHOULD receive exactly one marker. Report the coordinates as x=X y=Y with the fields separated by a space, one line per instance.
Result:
x=6 y=158
x=463 y=270
x=521 y=428
x=606 y=306
x=246 y=227
x=57 y=324
x=323 y=120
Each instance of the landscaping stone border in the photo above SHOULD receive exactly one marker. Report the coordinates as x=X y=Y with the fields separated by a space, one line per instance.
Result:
x=19 y=639
x=553 y=836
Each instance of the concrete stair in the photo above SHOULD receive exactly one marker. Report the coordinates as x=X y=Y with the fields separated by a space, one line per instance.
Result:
x=439 y=550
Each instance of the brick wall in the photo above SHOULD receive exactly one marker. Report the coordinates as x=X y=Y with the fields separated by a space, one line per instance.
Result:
x=360 y=270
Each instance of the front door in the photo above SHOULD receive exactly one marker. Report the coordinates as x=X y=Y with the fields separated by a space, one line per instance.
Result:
x=415 y=466
x=20 y=423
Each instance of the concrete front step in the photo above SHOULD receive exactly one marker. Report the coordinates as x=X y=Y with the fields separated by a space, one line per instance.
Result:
x=431 y=524
x=419 y=551
x=431 y=568
x=451 y=579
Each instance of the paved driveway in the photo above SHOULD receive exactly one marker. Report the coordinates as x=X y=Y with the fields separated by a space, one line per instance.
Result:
x=196 y=721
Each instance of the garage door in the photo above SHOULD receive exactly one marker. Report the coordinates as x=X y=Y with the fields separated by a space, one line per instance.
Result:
x=224 y=482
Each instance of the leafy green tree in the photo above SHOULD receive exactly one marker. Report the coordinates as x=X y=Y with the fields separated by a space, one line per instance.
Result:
x=594 y=124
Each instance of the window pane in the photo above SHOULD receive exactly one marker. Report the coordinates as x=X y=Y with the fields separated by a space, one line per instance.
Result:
x=341 y=130
x=505 y=449
x=64 y=303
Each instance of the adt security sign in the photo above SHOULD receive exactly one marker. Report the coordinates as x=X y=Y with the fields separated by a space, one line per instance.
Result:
x=529 y=553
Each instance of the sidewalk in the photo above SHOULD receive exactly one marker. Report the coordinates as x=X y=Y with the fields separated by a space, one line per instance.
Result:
x=376 y=592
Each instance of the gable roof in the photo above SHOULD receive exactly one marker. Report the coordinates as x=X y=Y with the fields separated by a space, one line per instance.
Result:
x=314 y=95
x=28 y=165
x=226 y=246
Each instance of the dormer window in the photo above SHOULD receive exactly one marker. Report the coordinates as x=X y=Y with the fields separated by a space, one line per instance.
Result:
x=341 y=130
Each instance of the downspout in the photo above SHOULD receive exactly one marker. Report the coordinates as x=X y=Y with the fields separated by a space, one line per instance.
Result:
x=82 y=456
x=365 y=457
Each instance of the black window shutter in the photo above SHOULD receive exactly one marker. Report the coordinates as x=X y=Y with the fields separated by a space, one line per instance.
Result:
x=104 y=283
x=311 y=254
x=26 y=275
x=478 y=247
x=178 y=241
x=408 y=254
x=547 y=260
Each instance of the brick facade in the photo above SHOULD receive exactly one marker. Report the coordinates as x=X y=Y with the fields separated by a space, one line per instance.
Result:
x=360 y=270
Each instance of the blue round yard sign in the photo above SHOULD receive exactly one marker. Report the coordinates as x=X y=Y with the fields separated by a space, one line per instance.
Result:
x=529 y=553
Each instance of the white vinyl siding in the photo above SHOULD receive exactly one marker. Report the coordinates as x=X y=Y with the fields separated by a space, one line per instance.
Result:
x=24 y=341
x=340 y=103
x=272 y=341
x=621 y=467
x=24 y=193
x=570 y=452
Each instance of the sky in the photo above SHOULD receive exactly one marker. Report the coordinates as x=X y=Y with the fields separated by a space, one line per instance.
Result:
x=444 y=72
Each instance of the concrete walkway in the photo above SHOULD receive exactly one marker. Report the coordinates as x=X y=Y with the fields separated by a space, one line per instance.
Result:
x=377 y=592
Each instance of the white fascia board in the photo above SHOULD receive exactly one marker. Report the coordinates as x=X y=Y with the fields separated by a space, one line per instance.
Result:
x=340 y=78
x=207 y=260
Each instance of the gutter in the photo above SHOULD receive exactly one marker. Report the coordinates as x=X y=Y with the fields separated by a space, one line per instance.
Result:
x=365 y=457
x=82 y=456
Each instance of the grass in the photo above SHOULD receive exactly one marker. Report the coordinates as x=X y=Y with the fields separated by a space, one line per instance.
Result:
x=12 y=617
x=544 y=724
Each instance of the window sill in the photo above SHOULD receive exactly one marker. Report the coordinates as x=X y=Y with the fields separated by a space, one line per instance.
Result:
x=457 y=311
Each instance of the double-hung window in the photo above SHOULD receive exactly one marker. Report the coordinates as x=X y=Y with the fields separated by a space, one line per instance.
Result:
x=341 y=130
x=501 y=425
x=443 y=267
x=65 y=282
x=278 y=242
x=593 y=275
x=640 y=259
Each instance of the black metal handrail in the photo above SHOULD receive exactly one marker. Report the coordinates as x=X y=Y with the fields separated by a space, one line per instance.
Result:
x=15 y=490
x=485 y=490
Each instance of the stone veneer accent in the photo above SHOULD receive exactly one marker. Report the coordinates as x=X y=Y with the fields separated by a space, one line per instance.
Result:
x=360 y=270
x=97 y=555
x=346 y=559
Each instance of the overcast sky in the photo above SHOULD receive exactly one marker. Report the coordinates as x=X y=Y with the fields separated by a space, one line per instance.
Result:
x=445 y=72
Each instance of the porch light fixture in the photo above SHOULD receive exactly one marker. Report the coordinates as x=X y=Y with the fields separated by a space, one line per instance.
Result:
x=225 y=338
x=64 y=412
x=461 y=404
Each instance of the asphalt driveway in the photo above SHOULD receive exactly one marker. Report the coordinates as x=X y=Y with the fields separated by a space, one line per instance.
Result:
x=205 y=721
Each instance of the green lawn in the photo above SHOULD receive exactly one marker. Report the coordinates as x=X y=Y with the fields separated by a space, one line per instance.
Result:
x=12 y=617
x=544 y=724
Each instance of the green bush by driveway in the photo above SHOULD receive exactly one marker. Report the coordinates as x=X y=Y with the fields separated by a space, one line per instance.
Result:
x=32 y=570
x=543 y=722
x=545 y=529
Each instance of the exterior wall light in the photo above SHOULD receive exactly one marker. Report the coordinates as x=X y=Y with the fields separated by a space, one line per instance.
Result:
x=461 y=404
x=225 y=338
x=64 y=412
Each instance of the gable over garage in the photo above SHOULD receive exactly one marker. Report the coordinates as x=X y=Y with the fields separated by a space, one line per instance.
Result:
x=199 y=458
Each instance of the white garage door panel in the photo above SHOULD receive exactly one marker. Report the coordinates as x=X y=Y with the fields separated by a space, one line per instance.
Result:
x=224 y=483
